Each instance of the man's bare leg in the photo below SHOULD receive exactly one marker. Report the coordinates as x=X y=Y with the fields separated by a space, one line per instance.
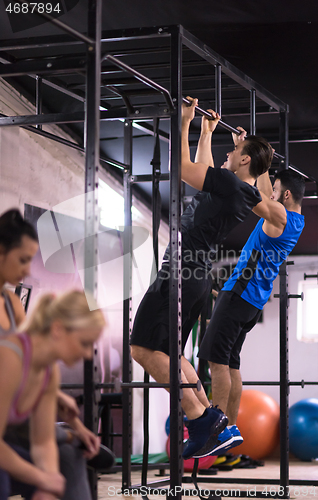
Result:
x=192 y=377
x=226 y=385
x=157 y=364
x=221 y=385
x=235 y=396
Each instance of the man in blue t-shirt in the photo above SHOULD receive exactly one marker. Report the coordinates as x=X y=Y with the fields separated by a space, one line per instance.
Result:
x=225 y=198
x=241 y=300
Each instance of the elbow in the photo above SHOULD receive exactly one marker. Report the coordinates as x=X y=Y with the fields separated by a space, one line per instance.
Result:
x=259 y=212
x=186 y=168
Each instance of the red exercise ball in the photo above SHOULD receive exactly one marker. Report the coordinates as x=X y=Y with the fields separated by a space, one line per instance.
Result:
x=204 y=462
x=258 y=422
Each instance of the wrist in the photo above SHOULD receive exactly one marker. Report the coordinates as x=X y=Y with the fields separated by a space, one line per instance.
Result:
x=76 y=424
x=206 y=133
x=186 y=122
x=41 y=480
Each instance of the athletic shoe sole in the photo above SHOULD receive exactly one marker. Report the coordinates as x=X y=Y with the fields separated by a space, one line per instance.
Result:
x=230 y=443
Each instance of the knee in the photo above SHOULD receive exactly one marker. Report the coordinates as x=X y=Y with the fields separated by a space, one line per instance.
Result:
x=73 y=467
x=137 y=353
x=71 y=460
x=235 y=375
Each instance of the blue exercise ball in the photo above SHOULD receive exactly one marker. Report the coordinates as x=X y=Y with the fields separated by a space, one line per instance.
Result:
x=167 y=424
x=303 y=429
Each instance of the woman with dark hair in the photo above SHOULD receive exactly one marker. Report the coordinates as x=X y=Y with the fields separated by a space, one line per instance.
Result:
x=18 y=246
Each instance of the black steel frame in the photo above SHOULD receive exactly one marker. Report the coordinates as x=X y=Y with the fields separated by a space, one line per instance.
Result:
x=24 y=293
x=95 y=45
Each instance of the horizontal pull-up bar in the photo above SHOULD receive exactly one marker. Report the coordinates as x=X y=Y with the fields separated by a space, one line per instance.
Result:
x=221 y=123
x=170 y=103
x=117 y=385
x=210 y=117
x=144 y=79
x=237 y=132
x=301 y=383
x=309 y=177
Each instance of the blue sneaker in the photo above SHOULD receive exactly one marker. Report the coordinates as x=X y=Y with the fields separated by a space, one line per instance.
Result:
x=227 y=439
x=236 y=434
x=203 y=432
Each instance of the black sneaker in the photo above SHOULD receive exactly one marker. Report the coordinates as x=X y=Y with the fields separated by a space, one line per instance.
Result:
x=203 y=432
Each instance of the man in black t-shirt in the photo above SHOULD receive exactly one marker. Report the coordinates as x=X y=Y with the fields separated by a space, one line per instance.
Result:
x=226 y=196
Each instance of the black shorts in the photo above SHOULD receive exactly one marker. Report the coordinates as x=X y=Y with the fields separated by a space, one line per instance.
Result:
x=232 y=318
x=151 y=325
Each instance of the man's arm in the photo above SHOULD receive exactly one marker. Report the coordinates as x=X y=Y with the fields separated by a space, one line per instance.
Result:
x=272 y=211
x=191 y=173
x=204 y=151
x=274 y=214
x=264 y=184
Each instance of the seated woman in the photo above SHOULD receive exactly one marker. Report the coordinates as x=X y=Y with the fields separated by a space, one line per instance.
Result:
x=18 y=246
x=60 y=328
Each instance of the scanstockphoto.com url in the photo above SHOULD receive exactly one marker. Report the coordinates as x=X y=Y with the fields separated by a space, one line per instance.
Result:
x=248 y=492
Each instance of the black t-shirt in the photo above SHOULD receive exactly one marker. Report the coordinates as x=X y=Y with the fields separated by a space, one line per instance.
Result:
x=223 y=203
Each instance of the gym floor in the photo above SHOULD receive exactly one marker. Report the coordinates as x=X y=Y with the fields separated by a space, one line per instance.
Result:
x=109 y=484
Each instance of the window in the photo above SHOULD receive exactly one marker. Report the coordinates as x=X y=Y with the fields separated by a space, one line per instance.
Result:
x=307 y=324
x=111 y=206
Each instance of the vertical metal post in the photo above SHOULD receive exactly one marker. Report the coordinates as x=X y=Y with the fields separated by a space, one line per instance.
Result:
x=155 y=196
x=218 y=89
x=283 y=137
x=176 y=427
x=155 y=228
x=283 y=322
x=253 y=112
x=284 y=379
x=38 y=98
x=201 y=332
x=127 y=376
x=91 y=395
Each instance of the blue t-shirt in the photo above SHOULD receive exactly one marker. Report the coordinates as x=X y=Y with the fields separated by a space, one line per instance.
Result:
x=260 y=259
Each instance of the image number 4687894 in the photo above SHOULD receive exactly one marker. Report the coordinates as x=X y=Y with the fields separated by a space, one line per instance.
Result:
x=24 y=15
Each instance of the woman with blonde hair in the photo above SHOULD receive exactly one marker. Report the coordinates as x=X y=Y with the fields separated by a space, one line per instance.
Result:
x=60 y=328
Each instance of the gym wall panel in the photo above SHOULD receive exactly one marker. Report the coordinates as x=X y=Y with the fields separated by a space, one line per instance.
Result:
x=42 y=174
x=260 y=353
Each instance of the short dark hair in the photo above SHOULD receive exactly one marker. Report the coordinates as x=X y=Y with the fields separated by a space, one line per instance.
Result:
x=12 y=228
x=294 y=182
x=260 y=152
